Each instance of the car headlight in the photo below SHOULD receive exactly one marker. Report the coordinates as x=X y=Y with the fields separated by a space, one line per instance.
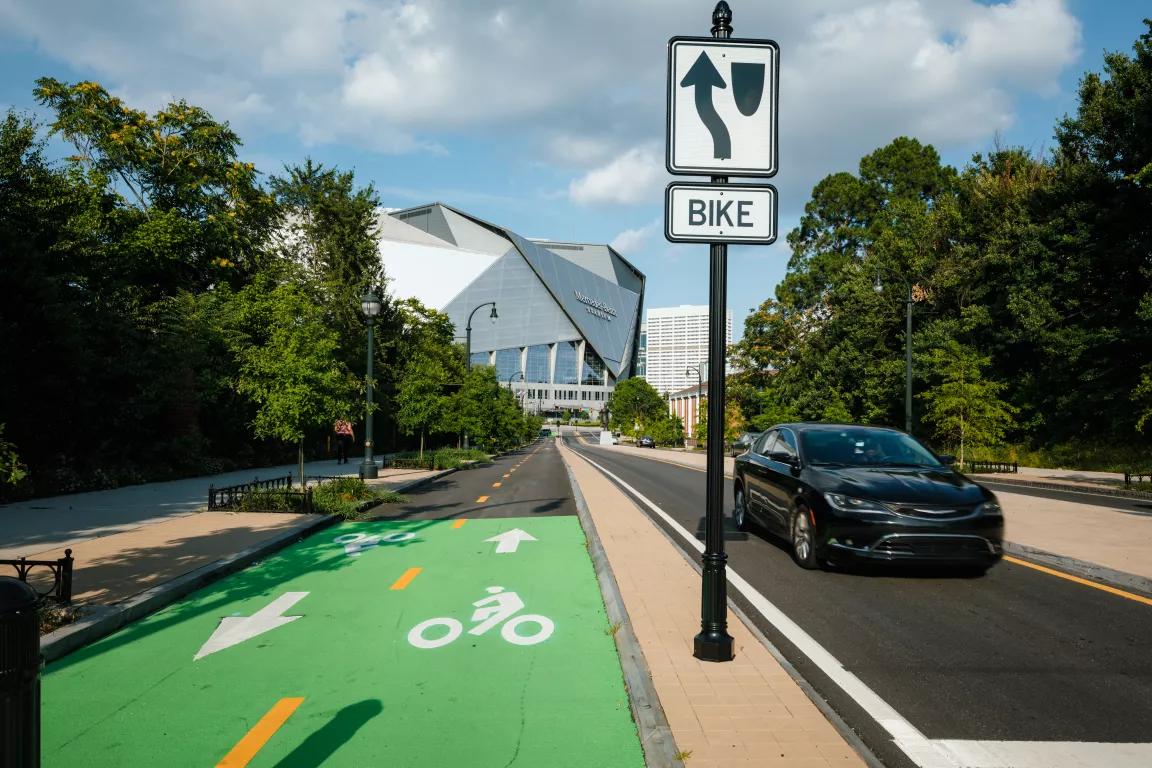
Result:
x=990 y=508
x=844 y=503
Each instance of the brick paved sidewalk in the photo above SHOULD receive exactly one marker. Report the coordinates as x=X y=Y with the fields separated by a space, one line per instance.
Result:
x=748 y=712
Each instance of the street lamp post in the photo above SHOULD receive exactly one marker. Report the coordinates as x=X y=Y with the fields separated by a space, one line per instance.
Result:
x=879 y=287
x=699 y=399
x=513 y=378
x=468 y=343
x=370 y=305
x=468 y=328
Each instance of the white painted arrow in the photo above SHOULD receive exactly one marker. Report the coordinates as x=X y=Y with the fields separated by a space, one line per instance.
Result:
x=509 y=541
x=234 y=630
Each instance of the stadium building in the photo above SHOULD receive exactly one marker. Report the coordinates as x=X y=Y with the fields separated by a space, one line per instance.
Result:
x=568 y=325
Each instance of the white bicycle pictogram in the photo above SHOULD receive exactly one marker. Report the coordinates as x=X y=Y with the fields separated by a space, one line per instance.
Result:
x=354 y=543
x=501 y=606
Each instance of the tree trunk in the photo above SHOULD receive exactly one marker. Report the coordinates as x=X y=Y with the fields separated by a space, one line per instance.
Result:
x=421 y=446
x=300 y=457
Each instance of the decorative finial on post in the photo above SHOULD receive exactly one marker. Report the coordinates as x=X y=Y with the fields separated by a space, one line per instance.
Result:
x=722 y=21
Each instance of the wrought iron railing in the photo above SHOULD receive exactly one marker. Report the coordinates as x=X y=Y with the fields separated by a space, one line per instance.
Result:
x=229 y=496
x=992 y=466
x=1132 y=478
x=61 y=570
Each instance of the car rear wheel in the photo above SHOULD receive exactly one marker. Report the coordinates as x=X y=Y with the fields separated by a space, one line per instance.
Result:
x=804 y=540
x=740 y=513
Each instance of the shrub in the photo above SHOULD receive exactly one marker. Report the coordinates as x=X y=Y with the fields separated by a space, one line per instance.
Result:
x=271 y=501
x=348 y=496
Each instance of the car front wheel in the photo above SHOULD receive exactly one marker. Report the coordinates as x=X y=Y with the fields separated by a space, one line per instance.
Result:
x=740 y=513
x=804 y=540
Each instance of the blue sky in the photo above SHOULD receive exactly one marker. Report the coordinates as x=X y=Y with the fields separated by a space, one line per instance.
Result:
x=548 y=116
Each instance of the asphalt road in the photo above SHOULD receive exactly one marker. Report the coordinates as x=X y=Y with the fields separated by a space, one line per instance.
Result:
x=533 y=482
x=1017 y=655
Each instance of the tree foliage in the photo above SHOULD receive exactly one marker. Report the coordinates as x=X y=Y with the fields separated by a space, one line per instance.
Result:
x=1038 y=265
x=635 y=405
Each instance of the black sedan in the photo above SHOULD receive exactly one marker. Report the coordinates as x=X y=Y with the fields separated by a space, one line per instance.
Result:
x=846 y=493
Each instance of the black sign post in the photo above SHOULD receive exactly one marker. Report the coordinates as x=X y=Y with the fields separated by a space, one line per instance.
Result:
x=722 y=96
x=714 y=643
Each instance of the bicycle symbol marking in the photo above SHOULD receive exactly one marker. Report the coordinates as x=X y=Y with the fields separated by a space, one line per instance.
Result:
x=499 y=607
x=354 y=543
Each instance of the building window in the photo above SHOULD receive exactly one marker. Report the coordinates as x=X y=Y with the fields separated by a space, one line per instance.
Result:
x=566 y=354
x=507 y=363
x=536 y=370
x=593 y=374
x=479 y=358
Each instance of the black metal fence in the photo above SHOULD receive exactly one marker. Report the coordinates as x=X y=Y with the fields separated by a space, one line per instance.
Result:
x=231 y=497
x=1132 y=478
x=61 y=570
x=992 y=466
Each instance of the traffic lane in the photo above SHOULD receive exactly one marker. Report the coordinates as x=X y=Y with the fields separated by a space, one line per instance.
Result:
x=532 y=483
x=999 y=657
x=1131 y=506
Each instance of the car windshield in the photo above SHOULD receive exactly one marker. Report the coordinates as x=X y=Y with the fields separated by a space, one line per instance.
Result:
x=858 y=446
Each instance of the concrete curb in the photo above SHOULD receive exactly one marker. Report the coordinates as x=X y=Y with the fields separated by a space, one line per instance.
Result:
x=105 y=620
x=1102 y=490
x=850 y=736
x=1081 y=568
x=659 y=746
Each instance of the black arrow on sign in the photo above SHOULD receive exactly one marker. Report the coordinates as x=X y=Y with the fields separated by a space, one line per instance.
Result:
x=704 y=77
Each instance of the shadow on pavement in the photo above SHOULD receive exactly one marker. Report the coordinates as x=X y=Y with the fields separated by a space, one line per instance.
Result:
x=322 y=743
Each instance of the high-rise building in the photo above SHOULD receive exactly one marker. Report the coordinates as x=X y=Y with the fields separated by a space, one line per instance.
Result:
x=642 y=352
x=677 y=337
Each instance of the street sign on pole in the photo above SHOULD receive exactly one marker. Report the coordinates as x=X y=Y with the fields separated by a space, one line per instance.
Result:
x=722 y=98
x=713 y=213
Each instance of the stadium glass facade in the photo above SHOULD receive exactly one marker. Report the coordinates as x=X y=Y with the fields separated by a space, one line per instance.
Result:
x=569 y=313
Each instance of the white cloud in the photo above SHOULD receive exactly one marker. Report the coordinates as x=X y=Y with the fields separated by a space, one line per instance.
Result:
x=578 y=83
x=631 y=240
x=630 y=178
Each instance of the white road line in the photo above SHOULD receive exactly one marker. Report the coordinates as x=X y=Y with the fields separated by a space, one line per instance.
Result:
x=924 y=752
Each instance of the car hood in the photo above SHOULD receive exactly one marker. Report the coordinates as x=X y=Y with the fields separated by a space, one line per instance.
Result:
x=919 y=485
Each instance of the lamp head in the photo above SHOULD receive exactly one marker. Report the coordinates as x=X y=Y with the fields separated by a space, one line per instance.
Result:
x=370 y=304
x=493 y=314
x=877 y=285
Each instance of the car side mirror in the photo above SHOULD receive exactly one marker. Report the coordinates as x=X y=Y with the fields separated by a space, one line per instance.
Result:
x=784 y=458
x=947 y=459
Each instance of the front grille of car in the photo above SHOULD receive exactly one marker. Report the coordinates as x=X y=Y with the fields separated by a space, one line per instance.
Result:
x=934 y=546
x=933 y=512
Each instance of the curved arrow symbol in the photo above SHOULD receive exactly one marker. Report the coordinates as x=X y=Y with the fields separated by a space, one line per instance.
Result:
x=704 y=76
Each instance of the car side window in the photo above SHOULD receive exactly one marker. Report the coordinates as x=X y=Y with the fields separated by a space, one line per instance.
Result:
x=786 y=443
x=765 y=442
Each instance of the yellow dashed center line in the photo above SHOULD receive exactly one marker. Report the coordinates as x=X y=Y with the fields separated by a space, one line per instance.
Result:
x=482 y=499
x=406 y=579
x=256 y=738
x=496 y=485
x=460 y=523
x=1078 y=580
x=508 y=475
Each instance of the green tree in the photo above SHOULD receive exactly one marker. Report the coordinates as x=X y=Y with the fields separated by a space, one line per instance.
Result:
x=734 y=422
x=292 y=371
x=964 y=407
x=11 y=470
x=635 y=404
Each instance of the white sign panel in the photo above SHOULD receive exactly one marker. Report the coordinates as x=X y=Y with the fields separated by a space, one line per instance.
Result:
x=720 y=213
x=722 y=99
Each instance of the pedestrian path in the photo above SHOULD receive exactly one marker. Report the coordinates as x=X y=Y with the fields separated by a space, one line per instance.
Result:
x=31 y=527
x=747 y=712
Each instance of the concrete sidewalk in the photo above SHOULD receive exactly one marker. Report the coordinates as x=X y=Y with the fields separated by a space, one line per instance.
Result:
x=749 y=712
x=40 y=525
x=136 y=546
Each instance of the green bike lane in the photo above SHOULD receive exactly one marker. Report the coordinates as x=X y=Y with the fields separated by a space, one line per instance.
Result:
x=390 y=661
